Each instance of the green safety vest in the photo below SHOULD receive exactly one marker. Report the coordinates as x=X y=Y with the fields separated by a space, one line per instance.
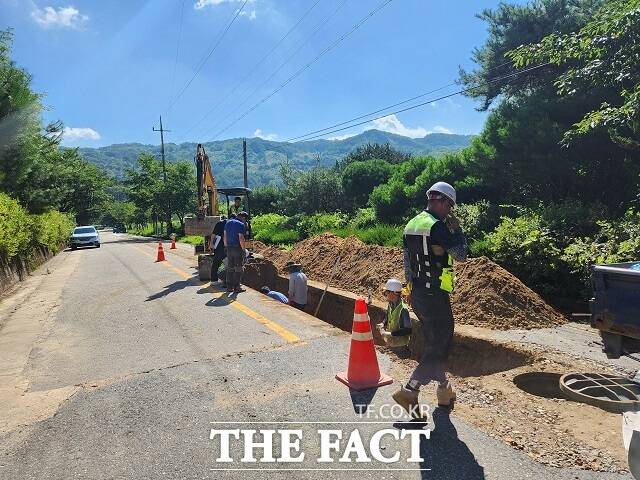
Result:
x=393 y=316
x=434 y=271
x=393 y=322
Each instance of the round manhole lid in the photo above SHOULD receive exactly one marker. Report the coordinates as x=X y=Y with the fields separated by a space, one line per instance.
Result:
x=613 y=393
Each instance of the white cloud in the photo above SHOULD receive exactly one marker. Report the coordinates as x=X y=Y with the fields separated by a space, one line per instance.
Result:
x=265 y=136
x=441 y=129
x=200 y=4
x=74 y=133
x=251 y=15
x=63 y=17
x=392 y=124
x=342 y=137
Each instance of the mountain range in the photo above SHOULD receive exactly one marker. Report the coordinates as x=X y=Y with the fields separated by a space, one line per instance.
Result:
x=265 y=156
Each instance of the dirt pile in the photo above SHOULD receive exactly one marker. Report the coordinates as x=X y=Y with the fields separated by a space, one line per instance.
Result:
x=486 y=294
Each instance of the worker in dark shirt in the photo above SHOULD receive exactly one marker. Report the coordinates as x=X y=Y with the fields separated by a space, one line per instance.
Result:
x=432 y=240
x=217 y=247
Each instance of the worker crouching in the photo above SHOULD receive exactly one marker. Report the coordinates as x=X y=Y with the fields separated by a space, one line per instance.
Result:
x=432 y=241
x=396 y=328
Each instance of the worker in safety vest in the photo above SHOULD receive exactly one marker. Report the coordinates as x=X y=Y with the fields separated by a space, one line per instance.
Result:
x=396 y=331
x=432 y=241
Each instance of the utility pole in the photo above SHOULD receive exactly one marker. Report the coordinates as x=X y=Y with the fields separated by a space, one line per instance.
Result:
x=164 y=173
x=246 y=177
x=244 y=157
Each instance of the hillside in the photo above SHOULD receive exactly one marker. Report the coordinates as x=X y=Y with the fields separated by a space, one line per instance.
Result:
x=265 y=156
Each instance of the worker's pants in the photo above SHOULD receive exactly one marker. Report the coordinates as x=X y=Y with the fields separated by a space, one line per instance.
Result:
x=218 y=257
x=433 y=309
x=235 y=260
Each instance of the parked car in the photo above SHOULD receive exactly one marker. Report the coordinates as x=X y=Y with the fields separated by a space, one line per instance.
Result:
x=120 y=228
x=85 y=237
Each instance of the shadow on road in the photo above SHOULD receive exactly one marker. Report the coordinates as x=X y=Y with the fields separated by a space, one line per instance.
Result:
x=174 y=287
x=445 y=454
x=362 y=399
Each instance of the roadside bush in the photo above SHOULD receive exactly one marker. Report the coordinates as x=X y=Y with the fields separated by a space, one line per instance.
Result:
x=271 y=228
x=16 y=228
x=320 y=223
x=572 y=218
x=52 y=229
x=364 y=218
x=615 y=242
x=387 y=235
x=477 y=218
x=527 y=249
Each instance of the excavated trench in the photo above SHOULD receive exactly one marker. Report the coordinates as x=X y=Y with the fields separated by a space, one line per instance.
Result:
x=470 y=357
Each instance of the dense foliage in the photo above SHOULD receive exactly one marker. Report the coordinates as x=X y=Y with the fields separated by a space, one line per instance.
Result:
x=20 y=232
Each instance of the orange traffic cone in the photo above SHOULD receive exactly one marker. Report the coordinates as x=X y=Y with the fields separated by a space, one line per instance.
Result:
x=173 y=244
x=160 y=253
x=363 y=371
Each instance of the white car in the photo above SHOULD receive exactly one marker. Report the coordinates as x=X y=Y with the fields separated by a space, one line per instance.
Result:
x=85 y=237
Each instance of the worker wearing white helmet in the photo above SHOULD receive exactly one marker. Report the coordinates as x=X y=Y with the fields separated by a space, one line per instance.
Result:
x=432 y=241
x=397 y=324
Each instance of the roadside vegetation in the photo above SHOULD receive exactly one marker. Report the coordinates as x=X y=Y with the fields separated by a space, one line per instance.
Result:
x=549 y=187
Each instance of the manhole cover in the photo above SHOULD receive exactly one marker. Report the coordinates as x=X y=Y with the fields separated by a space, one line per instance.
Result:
x=610 y=392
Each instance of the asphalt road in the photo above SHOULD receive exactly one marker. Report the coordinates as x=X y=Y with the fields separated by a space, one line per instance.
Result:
x=114 y=366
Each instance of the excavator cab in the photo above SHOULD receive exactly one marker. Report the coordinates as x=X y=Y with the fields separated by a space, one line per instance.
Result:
x=244 y=194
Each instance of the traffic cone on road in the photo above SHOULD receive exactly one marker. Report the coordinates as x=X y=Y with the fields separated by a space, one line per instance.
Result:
x=160 y=257
x=173 y=244
x=363 y=371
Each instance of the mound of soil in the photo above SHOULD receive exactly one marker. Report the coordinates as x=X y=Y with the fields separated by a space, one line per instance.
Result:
x=486 y=294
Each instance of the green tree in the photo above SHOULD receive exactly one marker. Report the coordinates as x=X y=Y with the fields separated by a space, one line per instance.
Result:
x=602 y=55
x=144 y=188
x=373 y=151
x=315 y=191
x=181 y=189
x=518 y=158
x=265 y=199
x=361 y=177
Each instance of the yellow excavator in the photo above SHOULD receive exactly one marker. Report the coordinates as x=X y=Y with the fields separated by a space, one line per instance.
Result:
x=207 y=214
x=207 y=205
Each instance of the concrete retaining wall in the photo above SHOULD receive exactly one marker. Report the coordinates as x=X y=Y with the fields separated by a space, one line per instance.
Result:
x=15 y=270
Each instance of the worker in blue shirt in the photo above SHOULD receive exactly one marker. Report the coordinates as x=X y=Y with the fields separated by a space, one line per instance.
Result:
x=234 y=242
x=275 y=295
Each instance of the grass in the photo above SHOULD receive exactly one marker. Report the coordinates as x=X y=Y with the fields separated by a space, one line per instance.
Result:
x=191 y=239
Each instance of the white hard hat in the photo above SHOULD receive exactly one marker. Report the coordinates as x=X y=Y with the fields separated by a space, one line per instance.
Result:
x=445 y=189
x=393 y=285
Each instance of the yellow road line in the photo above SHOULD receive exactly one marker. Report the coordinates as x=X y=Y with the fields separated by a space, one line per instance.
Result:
x=270 y=324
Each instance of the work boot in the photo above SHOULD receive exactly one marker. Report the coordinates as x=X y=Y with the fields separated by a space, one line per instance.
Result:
x=446 y=396
x=408 y=399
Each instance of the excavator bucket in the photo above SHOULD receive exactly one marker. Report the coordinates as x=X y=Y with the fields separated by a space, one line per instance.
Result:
x=200 y=225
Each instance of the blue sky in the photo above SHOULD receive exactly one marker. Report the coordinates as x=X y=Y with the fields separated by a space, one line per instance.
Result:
x=107 y=67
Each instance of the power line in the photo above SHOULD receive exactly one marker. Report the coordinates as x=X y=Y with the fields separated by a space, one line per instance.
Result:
x=208 y=55
x=175 y=63
x=282 y=65
x=308 y=65
x=255 y=67
x=373 y=113
x=387 y=107
x=459 y=92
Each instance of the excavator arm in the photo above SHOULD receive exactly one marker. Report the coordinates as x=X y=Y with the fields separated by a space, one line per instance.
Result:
x=207 y=191
x=207 y=201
